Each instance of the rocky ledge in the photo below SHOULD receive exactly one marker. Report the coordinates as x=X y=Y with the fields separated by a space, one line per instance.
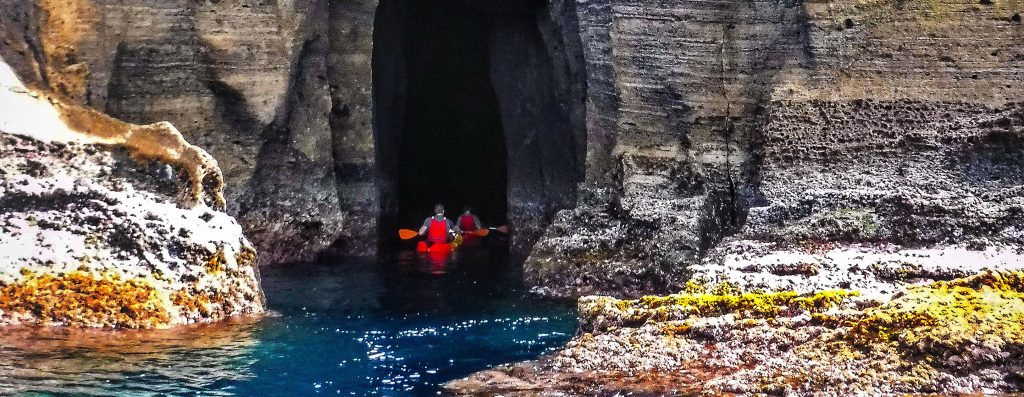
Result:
x=110 y=224
x=963 y=335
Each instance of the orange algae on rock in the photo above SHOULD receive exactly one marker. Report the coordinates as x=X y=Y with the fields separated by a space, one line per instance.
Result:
x=189 y=302
x=217 y=262
x=246 y=256
x=82 y=299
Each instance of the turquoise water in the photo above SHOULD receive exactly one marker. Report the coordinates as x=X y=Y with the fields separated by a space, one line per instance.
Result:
x=396 y=328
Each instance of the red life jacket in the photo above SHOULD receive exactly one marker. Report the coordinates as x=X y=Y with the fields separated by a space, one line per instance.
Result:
x=438 y=231
x=467 y=223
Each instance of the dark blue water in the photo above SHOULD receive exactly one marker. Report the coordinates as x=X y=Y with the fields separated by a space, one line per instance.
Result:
x=396 y=328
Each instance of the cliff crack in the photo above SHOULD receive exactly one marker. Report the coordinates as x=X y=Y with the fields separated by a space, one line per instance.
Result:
x=729 y=126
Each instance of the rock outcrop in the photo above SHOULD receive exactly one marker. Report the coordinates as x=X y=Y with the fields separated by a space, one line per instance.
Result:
x=278 y=92
x=960 y=336
x=110 y=224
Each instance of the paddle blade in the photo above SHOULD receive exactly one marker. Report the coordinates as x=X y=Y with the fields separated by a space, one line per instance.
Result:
x=481 y=232
x=503 y=229
x=407 y=234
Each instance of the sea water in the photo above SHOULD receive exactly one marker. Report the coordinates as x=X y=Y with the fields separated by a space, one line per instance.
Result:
x=343 y=327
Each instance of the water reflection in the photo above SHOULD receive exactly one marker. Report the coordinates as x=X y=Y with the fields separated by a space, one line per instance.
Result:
x=341 y=327
x=190 y=359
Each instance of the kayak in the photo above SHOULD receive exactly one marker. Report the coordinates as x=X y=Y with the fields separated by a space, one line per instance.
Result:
x=437 y=254
x=439 y=248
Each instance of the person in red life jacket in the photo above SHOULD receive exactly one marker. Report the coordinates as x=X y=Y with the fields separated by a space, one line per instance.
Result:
x=437 y=228
x=469 y=224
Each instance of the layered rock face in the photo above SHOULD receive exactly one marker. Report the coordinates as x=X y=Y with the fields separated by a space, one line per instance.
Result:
x=785 y=125
x=110 y=224
x=771 y=121
x=278 y=92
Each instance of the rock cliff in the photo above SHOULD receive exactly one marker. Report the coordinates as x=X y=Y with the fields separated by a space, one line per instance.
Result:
x=715 y=125
x=668 y=133
x=280 y=93
x=111 y=224
x=277 y=91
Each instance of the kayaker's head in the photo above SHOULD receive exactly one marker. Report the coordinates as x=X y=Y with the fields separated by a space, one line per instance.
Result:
x=467 y=209
x=439 y=209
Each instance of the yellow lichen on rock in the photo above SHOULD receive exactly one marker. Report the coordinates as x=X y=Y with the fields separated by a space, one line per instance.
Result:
x=985 y=310
x=749 y=304
x=81 y=299
x=602 y=312
x=246 y=257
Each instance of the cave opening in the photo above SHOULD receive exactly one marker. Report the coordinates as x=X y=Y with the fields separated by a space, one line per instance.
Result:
x=452 y=146
x=471 y=108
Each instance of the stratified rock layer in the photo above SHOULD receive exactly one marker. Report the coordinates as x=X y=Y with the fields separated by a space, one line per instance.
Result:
x=845 y=122
x=277 y=92
x=771 y=120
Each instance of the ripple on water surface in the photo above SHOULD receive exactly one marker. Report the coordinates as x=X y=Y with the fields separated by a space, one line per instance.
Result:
x=348 y=328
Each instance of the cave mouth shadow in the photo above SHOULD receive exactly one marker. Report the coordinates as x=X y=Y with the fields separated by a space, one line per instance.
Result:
x=452 y=145
x=474 y=103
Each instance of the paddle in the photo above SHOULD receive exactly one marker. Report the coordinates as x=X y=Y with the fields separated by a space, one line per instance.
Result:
x=407 y=234
x=487 y=231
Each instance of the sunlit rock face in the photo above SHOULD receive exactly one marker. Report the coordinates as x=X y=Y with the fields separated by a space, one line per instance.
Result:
x=278 y=92
x=110 y=224
x=789 y=123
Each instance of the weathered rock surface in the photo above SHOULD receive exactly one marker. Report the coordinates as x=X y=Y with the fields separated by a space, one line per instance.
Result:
x=960 y=336
x=110 y=224
x=847 y=122
x=278 y=92
x=787 y=122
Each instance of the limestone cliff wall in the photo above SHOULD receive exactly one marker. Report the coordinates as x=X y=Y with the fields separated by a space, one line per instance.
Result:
x=692 y=123
x=281 y=94
x=774 y=121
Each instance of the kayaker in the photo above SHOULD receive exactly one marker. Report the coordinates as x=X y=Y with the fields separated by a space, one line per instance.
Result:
x=438 y=228
x=469 y=222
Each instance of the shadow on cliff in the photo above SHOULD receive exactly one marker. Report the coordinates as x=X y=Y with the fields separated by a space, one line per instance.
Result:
x=290 y=206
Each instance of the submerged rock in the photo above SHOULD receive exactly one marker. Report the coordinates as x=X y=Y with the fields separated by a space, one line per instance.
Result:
x=110 y=224
x=949 y=337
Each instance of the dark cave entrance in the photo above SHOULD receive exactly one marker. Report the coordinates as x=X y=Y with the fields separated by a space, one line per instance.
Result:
x=452 y=146
x=470 y=108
